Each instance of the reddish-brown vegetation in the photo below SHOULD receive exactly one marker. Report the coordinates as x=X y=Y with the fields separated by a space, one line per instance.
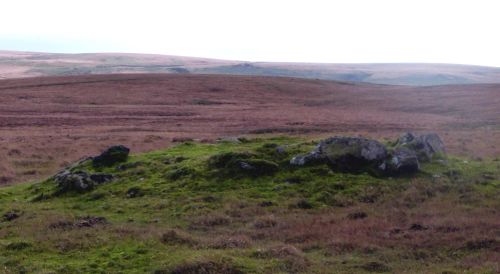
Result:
x=46 y=123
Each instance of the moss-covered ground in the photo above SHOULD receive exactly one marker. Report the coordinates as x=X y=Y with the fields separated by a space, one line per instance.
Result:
x=189 y=209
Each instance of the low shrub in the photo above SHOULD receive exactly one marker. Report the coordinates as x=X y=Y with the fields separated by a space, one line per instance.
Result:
x=174 y=237
x=18 y=246
x=237 y=241
x=180 y=172
x=212 y=220
x=265 y=222
x=205 y=267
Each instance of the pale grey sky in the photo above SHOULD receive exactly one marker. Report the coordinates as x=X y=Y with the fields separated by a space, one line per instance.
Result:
x=334 y=31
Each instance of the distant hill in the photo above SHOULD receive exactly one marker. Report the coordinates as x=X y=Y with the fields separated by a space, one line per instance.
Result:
x=15 y=64
x=392 y=74
x=28 y=64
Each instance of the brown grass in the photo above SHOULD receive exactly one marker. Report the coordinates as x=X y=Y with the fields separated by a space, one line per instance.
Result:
x=177 y=237
x=210 y=220
x=205 y=267
x=236 y=241
x=434 y=224
x=46 y=123
x=265 y=222
x=293 y=259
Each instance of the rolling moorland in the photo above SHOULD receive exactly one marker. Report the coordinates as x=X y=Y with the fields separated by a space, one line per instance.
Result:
x=27 y=64
x=178 y=204
x=47 y=123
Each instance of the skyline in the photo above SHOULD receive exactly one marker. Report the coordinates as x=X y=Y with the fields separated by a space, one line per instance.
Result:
x=388 y=31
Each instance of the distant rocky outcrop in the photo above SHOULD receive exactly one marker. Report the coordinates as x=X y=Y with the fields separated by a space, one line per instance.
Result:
x=356 y=155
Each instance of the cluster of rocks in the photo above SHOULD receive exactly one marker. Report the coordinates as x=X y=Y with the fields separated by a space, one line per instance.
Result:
x=82 y=181
x=356 y=155
x=342 y=154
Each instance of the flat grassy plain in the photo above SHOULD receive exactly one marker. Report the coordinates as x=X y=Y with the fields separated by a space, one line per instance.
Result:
x=173 y=211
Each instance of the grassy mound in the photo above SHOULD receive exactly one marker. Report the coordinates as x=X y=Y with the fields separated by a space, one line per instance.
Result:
x=196 y=207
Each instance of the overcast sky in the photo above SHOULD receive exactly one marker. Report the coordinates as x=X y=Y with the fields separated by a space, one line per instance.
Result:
x=438 y=31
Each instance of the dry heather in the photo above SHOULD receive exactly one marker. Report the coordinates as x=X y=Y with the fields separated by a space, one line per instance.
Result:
x=46 y=123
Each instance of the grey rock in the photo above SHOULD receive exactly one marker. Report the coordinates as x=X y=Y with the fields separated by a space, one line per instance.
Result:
x=313 y=157
x=257 y=167
x=134 y=192
x=406 y=138
x=79 y=181
x=246 y=166
x=281 y=149
x=356 y=155
x=425 y=146
x=100 y=178
x=352 y=154
x=403 y=161
x=10 y=216
x=434 y=142
x=111 y=156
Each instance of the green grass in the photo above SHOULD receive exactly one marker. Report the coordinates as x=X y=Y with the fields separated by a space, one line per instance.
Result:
x=181 y=189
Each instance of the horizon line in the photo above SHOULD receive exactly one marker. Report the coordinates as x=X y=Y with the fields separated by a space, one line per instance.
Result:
x=260 y=61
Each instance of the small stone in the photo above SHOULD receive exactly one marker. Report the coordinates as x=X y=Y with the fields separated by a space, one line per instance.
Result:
x=313 y=157
x=281 y=149
x=418 y=227
x=266 y=204
x=246 y=166
x=10 y=216
x=100 y=178
x=134 y=192
x=304 y=204
x=357 y=215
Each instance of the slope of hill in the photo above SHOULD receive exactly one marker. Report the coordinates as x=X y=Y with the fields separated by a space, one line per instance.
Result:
x=194 y=207
x=392 y=74
x=183 y=210
x=30 y=64
x=45 y=123
x=27 y=64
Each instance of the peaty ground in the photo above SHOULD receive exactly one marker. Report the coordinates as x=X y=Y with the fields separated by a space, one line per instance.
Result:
x=46 y=123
